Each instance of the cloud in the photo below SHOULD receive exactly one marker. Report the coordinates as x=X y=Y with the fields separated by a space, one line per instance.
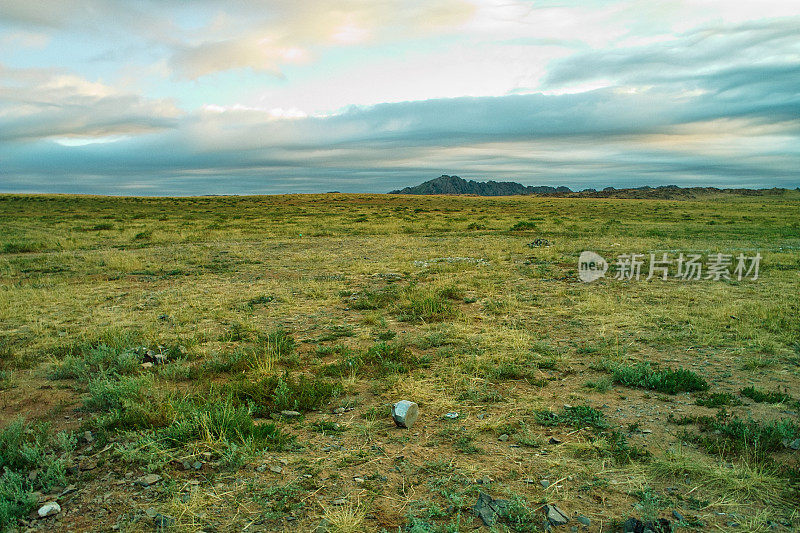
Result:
x=269 y=36
x=601 y=137
x=47 y=103
x=702 y=52
x=591 y=93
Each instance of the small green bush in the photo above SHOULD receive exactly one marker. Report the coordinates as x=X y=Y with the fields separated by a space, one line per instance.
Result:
x=647 y=376
x=760 y=396
x=24 y=448
x=718 y=399
x=574 y=416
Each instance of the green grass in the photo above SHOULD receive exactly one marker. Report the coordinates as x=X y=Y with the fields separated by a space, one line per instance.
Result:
x=731 y=435
x=718 y=399
x=649 y=376
x=316 y=302
x=573 y=416
x=24 y=449
x=760 y=396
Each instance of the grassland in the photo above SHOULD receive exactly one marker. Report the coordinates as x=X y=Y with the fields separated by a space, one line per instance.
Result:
x=176 y=331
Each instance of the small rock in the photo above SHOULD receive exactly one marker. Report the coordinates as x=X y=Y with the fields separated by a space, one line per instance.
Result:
x=358 y=479
x=49 y=509
x=554 y=440
x=338 y=411
x=339 y=501
x=147 y=365
x=795 y=444
x=583 y=520
x=481 y=416
x=485 y=480
x=290 y=414
x=405 y=413
x=163 y=521
x=148 y=480
x=632 y=525
x=487 y=508
x=503 y=437
x=275 y=469
x=678 y=516
x=544 y=483
x=451 y=415
x=555 y=516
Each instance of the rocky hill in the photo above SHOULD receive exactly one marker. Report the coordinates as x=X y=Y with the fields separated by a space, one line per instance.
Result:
x=455 y=185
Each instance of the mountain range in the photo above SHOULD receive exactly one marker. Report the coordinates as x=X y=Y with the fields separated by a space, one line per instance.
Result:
x=454 y=185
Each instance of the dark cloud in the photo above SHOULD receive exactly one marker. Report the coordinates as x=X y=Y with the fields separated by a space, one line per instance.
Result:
x=586 y=139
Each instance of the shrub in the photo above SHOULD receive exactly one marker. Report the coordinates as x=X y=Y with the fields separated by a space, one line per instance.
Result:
x=277 y=393
x=759 y=396
x=577 y=416
x=733 y=435
x=718 y=399
x=97 y=360
x=221 y=422
x=24 y=448
x=647 y=376
x=390 y=358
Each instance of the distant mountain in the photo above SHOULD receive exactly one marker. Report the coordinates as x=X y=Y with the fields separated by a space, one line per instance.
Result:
x=456 y=185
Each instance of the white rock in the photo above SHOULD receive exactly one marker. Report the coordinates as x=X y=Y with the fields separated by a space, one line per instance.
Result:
x=405 y=413
x=49 y=509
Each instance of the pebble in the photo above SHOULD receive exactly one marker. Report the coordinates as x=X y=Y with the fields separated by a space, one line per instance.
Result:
x=678 y=516
x=275 y=469
x=149 y=479
x=503 y=437
x=49 y=509
x=451 y=416
x=544 y=483
x=290 y=414
x=555 y=516
x=339 y=501
x=583 y=520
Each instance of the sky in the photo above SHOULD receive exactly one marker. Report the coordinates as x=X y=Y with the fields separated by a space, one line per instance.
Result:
x=175 y=97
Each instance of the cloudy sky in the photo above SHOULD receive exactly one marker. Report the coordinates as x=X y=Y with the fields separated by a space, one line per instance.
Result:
x=250 y=96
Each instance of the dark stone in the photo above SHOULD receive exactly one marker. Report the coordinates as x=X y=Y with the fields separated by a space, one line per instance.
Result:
x=488 y=508
x=555 y=516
